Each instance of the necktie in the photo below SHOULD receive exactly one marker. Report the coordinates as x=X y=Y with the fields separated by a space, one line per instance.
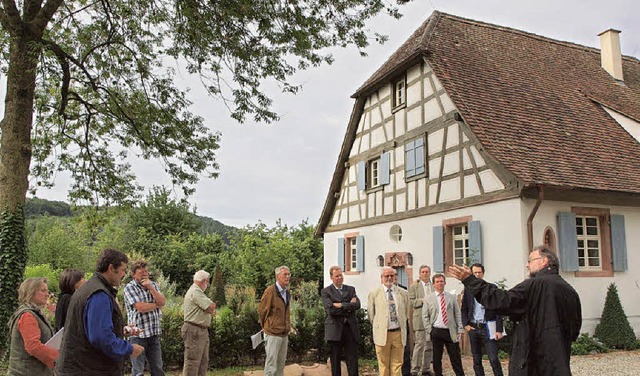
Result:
x=284 y=295
x=443 y=309
x=393 y=316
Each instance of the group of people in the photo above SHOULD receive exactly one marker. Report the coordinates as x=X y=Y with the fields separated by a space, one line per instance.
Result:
x=545 y=308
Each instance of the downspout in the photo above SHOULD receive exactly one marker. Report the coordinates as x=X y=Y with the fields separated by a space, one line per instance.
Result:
x=540 y=189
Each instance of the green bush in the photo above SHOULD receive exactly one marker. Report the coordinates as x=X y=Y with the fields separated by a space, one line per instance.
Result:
x=614 y=329
x=366 y=347
x=307 y=319
x=171 y=339
x=586 y=345
x=44 y=270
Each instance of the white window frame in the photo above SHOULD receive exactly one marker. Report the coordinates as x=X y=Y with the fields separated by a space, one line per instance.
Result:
x=463 y=237
x=400 y=92
x=353 y=254
x=374 y=173
x=585 y=260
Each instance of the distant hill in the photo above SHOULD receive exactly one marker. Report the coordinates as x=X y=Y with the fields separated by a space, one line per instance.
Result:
x=36 y=207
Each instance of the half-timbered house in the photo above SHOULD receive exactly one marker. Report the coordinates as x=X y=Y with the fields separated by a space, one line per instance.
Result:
x=476 y=142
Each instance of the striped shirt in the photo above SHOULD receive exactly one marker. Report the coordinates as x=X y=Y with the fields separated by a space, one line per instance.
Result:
x=149 y=322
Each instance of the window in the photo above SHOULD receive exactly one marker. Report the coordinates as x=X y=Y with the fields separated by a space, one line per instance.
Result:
x=461 y=245
x=457 y=241
x=414 y=158
x=395 y=233
x=374 y=173
x=351 y=253
x=588 y=237
x=399 y=92
x=591 y=242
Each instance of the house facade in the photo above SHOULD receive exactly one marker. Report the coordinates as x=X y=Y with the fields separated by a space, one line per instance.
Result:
x=475 y=142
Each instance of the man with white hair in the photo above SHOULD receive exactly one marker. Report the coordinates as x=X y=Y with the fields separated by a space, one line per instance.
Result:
x=274 y=317
x=198 y=309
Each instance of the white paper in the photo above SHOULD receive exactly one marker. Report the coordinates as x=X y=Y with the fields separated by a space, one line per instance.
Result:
x=256 y=339
x=491 y=329
x=56 y=340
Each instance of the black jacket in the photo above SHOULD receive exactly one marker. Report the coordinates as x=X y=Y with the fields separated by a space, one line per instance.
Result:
x=548 y=318
x=337 y=317
x=467 y=312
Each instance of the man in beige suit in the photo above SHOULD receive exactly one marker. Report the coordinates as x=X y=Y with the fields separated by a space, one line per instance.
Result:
x=388 y=310
x=443 y=322
x=422 y=349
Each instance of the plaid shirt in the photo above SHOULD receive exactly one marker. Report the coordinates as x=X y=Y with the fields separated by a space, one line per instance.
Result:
x=149 y=322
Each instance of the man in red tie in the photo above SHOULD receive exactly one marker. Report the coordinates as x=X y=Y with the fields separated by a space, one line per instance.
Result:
x=443 y=322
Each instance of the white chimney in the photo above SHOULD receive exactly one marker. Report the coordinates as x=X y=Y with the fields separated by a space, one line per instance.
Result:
x=610 y=53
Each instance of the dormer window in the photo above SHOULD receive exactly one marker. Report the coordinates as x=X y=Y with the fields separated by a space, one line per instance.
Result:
x=400 y=92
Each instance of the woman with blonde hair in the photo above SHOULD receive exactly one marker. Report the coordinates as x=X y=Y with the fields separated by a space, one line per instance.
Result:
x=30 y=330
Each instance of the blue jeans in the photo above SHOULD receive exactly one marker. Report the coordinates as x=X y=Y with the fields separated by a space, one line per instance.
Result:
x=477 y=338
x=152 y=353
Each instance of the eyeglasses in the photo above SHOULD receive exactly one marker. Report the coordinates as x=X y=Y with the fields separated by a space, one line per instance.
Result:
x=533 y=259
x=388 y=275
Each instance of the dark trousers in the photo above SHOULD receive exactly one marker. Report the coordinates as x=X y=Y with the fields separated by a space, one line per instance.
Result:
x=152 y=354
x=349 y=344
x=478 y=337
x=441 y=338
x=406 y=359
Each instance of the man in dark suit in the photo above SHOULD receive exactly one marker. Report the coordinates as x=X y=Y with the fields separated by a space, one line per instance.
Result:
x=341 y=325
x=475 y=320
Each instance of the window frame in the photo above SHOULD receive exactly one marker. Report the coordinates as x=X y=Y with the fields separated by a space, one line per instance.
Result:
x=606 y=251
x=399 y=101
x=351 y=254
x=371 y=171
x=449 y=225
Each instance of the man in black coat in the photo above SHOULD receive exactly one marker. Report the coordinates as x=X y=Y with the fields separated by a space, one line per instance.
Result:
x=546 y=309
x=476 y=321
x=341 y=325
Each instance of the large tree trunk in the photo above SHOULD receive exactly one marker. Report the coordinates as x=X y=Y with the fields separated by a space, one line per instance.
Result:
x=15 y=157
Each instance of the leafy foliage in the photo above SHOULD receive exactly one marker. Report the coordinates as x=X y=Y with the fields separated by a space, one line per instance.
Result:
x=585 y=345
x=13 y=260
x=307 y=318
x=614 y=329
x=258 y=250
x=217 y=288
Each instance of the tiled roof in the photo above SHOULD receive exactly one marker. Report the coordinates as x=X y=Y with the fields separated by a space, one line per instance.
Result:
x=533 y=102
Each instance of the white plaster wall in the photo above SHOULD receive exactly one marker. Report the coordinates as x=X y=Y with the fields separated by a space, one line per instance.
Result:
x=593 y=290
x=502 y=244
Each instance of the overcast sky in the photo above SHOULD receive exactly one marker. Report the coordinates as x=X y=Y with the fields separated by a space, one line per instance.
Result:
x=283 y=170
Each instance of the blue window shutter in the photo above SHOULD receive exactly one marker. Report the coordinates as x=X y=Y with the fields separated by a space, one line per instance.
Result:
x=385 y=164
x=618 y=243
x=360 y=253
x=409 y=159
x=475 y=242
x=361 y=172
x=567 y=242
x=438 y=249
x=419 y=156
x=341 y=253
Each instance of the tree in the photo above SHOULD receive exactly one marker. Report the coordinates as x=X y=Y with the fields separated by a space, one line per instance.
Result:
x=614 y=329
x=87 y=86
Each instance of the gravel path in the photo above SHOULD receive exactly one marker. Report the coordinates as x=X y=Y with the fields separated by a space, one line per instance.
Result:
x=617 y=363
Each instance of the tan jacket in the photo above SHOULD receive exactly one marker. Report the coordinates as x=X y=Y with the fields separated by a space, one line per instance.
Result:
x=378 y=312
x=416 y=293
x=273 y=313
